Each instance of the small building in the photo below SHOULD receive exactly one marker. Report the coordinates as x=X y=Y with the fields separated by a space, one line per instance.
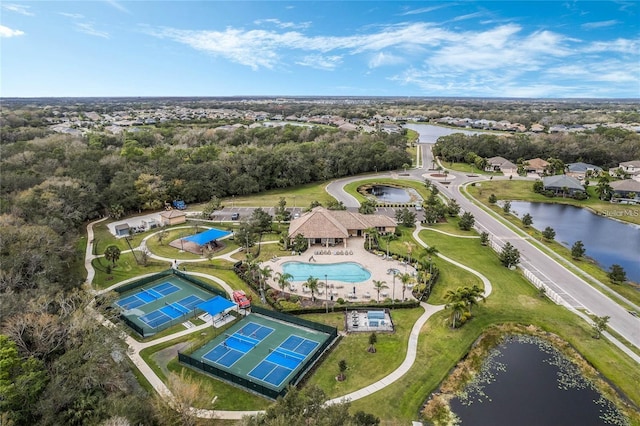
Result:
x=122 y=230
x=173 y=217
x=580 y=170
x=562 y=184
x=149 y=223
x=627 y=190
x=501 y=164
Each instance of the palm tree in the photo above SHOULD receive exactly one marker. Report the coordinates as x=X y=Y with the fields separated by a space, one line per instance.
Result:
x=379 y=285
x=265 y=273
x=470 y=296
x=406 y=279
x=283 y=280
x=410 y=246
x=112 y=254
x=371 y=233
x=312 y=283
x=457 y=309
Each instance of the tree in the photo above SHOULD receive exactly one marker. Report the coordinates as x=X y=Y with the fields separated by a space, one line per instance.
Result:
x=405 y=278
x=506 y=208
x=406 y=217
x=260 y=221
x=603 y=189
x=371 y=234
x=213 y=205
x=22 y=380
x=373 y=339
x=470 y=296
x=453 y=208
x=116 y=211
x=283 y=280
x=378 y=286
x=600 y=326
x=265 y=274
x=312 y=283
x=410 y=246
x=578 y=250
x=244 y=235
x=281 y=213
x=342 y=367
x=112 y=254
x=527 y=220
x=466 y=221
x=457 y=308
x=185 y=392
x=509 y=256
x=300 y=243
x=548 y=233
x=484 y=238
x=617 y=274
x=493 y=199
x=367 y=207
x=538 y=186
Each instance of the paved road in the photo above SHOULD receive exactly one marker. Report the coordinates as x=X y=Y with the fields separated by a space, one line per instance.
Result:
x=574 y=290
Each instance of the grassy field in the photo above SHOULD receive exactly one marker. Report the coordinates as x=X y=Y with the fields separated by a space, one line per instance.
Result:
x=468 y=168
x=126 y=267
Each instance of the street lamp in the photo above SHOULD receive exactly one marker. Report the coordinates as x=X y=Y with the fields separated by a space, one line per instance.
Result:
x=326 y=293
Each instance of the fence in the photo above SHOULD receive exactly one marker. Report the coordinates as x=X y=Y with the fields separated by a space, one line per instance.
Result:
x=256 y=387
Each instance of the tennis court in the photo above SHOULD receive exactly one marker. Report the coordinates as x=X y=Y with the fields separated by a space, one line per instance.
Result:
x=261 y=352
x=144 y=296
x=237 y=344
x=282 y=360
x=161 y=303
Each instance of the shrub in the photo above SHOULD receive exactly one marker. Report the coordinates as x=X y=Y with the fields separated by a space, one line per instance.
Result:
x=340 y=301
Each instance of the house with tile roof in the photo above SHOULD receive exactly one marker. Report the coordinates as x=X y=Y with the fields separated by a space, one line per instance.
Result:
x=536 y=165
x=561 y=184
x=501 y=164
x=321 y=226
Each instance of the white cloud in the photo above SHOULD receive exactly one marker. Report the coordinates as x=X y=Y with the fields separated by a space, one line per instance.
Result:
x=321 y=62
x=71 y=15
x=423 y=10
x=468 y=16
x=278 y=23
x=7 y=32
x=18 y=8
x=118 y=6
x=599 y=24
x=381 y=59
x=621 y=45
x=88 y=28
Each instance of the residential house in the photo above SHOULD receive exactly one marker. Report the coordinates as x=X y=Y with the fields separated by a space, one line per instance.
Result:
x=536 y=165
x=632 y=168
x=331 y=227
x=580 y=170
x=495 y=164
x=562 y=184
x=627 y=190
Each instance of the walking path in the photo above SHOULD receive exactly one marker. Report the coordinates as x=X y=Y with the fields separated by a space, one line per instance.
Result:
x=136 y=347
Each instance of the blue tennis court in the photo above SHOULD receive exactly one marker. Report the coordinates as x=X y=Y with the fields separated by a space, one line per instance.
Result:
x=230 y=350
x=281 y=361
x=171 y=311
x=255 y=331
x=144 y=296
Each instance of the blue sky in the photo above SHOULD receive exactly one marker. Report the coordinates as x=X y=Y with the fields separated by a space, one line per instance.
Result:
x=555 y=49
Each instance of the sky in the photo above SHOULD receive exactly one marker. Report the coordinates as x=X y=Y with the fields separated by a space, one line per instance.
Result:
x=520 y=49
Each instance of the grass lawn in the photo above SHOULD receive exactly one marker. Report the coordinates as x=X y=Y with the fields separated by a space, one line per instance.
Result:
x=126 y=267
x=363 y=368
x=102 y=238
x=352 y=188
x=451 y=277
x=451 y=226
x=299 y=196
x=468 y=168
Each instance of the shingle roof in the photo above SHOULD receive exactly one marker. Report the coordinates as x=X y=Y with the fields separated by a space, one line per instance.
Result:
x=561 y=181
x=172 y=213
x=582 y=167
x=628 y=185
x=323 y=223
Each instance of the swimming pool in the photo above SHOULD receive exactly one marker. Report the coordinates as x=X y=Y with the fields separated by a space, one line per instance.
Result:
x=350 y=272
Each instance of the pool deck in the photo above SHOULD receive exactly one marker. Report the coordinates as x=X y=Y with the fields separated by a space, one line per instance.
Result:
x=365 y=292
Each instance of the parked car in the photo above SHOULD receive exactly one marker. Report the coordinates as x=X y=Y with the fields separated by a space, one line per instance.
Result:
x=241 y=299
x=235 y=216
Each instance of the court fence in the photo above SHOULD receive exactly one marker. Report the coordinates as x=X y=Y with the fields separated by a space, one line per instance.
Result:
x=257 y=387
x=146 y=332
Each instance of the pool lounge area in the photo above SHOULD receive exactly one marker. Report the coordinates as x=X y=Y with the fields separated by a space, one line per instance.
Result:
x=363 y=291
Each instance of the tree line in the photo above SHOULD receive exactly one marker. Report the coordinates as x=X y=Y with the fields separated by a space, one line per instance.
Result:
x=604 y=147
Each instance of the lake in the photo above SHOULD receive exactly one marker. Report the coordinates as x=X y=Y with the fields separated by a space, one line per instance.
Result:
x=606 y=241
x=526 y=381
x=428 y=133
x=391 y=194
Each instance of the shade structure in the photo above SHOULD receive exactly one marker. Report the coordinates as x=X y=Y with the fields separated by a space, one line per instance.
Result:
x=216 y=305
x=207 y=236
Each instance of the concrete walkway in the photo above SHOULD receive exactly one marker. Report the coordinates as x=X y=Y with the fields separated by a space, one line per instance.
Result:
x=135 y=347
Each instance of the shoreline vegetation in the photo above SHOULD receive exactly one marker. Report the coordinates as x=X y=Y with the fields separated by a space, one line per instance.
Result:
x=437 y=407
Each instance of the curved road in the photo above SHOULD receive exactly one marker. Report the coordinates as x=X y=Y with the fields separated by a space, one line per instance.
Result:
x=574 y=290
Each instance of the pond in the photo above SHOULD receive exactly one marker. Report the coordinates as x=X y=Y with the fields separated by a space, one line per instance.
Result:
x=607 y=241
x=428 y=133
x=526 y=381
x=390 y=194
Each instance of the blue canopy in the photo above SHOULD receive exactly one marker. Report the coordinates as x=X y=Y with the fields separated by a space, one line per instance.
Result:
x=216 y=305
x=207 y=236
